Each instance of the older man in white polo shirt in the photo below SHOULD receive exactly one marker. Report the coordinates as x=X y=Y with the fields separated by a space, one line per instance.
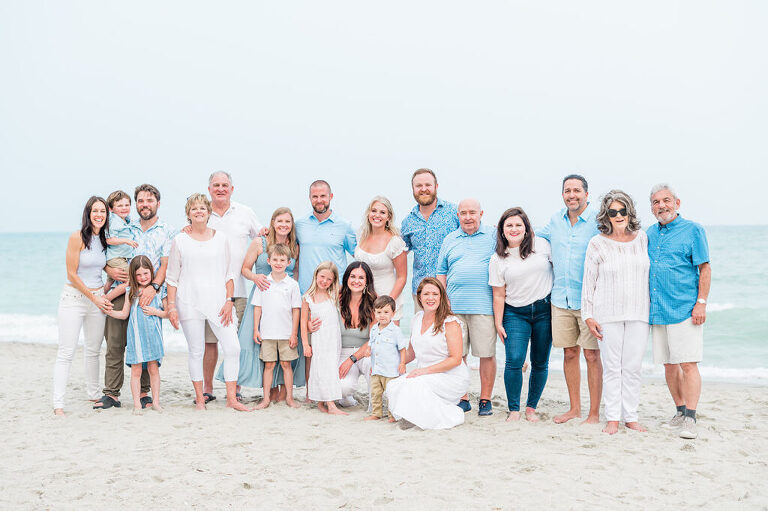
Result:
x=240 y=224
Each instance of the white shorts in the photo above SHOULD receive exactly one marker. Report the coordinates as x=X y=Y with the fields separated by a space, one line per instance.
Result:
x=679 y=343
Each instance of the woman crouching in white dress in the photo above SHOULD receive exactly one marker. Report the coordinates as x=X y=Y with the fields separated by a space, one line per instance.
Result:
x=200 y=282
x=429 y=395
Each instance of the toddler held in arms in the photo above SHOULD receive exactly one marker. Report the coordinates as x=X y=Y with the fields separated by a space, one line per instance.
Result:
x=388 y=347
x=120 y=243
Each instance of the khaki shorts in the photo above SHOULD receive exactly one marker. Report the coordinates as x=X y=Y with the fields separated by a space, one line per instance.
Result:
x=479 y=332
x=569 y=330
x=679 y=343
x=271 y=348
x=240 y=304
x=121 y=263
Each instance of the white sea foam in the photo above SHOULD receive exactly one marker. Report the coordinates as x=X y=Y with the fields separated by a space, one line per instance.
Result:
x=719 y=307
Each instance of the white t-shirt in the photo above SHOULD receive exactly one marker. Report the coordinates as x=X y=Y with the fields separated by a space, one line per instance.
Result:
x=240 y=225
x=277 y=304
x=526 y=280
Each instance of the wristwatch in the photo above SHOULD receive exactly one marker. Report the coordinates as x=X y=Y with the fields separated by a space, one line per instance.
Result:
x=701 y=300
x=231 y=299
x=156 y=287
x=353 y=358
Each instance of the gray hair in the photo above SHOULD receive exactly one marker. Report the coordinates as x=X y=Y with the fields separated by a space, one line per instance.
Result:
x=222 y=172
x=660 y=187
x=603 y=220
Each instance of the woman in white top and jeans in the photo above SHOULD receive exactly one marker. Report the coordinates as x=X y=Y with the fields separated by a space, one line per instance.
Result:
x=82 y=304
x=520 y=272
x=615 y=305
x=200 y=279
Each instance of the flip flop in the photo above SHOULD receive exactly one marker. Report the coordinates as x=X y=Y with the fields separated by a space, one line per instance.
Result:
x=107 y=402
x=207 y=396
x=239 y=397
x=145 y=401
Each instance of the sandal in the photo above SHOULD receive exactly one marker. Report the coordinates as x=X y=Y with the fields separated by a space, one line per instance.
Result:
x=106 y=402
x=208 y=397
x=145 y=401
x=239 y=397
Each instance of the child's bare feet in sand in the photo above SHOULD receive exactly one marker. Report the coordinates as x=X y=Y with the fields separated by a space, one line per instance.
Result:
x=59 y=412
x=264 y=403
x=372 y=418
x=636 y=426
x=513 y=416
x=530 y=415
x=293 y=404
x=333 y=410
x=611 y=427
x=392 y=419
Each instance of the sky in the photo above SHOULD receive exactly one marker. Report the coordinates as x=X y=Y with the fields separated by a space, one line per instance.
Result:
x=500 y=98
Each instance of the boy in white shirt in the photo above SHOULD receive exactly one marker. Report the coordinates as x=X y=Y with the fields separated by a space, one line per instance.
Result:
x=276 y=314
x=388 y=347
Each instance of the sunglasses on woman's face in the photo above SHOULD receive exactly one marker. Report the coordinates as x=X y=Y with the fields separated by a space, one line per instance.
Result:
x=613 y=212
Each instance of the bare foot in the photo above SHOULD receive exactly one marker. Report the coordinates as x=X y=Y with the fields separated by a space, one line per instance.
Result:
x=611 y=427
x=138 y=411
x=513 y=417
x=530 y=415
x=372 y=418
x=636 y=426
x=592 y=419
x=200 y=407
x=293 y=404
x=264 y=403
x=570 y=414
x=59 y=412
x=333 y=410
x=238 y=406
x=321 y=406
x=307 y=401
x=392 y=419
x=156 y=407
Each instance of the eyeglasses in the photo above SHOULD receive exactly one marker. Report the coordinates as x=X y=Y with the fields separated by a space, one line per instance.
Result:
x=613 y=212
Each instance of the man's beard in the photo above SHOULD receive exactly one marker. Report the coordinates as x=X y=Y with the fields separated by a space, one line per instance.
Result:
x=425 y=199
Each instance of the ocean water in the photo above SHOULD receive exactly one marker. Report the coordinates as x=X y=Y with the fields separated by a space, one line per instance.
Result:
x=735 y=336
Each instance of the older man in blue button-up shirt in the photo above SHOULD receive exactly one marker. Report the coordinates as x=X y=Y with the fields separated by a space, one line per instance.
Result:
x=568 y=232
x=680 y=276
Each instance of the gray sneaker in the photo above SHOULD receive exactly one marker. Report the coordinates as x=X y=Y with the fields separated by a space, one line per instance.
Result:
x=675 y=422
x=688 y=429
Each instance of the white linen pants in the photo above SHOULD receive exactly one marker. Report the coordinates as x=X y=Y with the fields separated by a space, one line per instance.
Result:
x=360 y=368
x=194 y=331
x=77 y=312
x=621 y=351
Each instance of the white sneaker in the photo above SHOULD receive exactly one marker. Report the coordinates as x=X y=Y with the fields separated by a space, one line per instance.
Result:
x=675 y=422
x=348 y=402
x=688 y=429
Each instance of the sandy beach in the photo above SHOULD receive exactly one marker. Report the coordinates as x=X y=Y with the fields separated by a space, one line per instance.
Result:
x=302 y=459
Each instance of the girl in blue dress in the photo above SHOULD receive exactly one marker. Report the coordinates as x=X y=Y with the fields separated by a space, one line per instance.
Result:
x=144 y=347
x=255 y=268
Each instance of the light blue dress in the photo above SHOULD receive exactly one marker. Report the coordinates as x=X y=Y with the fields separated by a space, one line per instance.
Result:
x=251 y=367
x=145 y=334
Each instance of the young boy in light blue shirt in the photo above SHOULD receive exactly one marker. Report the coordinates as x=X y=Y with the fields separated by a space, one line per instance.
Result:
x=120 y=242
x=388 y=347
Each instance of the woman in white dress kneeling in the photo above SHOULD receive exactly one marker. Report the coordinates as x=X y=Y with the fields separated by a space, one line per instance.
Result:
x=429 y=395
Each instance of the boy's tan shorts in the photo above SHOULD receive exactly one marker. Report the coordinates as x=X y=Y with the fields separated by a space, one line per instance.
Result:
x=121 y=263
x=271 y=348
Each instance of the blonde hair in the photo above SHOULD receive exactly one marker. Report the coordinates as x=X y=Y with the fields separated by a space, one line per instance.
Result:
x=333 y=289
x=196 y=198
x=272 y=235
x=366 y=229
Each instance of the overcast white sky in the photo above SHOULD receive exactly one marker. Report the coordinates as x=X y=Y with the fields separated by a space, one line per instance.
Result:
x=501 y=99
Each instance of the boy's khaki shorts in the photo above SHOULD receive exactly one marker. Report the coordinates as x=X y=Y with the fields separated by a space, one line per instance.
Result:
x=121 y=263
x=271 y=348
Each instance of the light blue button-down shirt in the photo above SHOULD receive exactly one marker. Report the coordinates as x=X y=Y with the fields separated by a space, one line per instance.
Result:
x=569 y=248
x=424 y=238
x=385 y=347
x=676 y=250
x=155 y=242
x=464 y=260
x=328 y=240
x=119 y=228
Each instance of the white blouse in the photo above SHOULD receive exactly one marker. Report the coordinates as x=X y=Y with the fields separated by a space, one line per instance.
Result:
x=200 y=271
x=383 y=269
x=526 y=280
x=615 y=286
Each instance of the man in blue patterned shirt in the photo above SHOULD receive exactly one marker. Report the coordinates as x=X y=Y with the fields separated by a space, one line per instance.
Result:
x=680 y=276
x=425 y=227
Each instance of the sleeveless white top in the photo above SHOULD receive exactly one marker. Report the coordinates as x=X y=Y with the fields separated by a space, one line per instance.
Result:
x=91 y=263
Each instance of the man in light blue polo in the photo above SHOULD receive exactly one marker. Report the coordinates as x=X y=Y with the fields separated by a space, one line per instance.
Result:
x=322 y=235
x=425 y=227
x=568 y=232
x=679 y=279
x=462 y=266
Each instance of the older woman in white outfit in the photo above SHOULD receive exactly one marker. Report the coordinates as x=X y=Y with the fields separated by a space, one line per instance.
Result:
x=381 y=247
x=615 y=305
x=200 y=279
x=429 y=395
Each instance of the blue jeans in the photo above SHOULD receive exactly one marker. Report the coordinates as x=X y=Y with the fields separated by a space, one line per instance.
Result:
x=530 y=322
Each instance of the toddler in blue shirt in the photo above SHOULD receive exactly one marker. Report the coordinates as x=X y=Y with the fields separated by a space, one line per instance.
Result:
x=388 y=347
x=120 y=243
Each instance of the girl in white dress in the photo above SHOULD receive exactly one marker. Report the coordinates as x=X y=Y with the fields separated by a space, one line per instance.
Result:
x=324 y=385
x=429 y=395
x=382 y=248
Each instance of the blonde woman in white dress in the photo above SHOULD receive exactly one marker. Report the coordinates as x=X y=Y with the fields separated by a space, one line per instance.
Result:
x=383 y=250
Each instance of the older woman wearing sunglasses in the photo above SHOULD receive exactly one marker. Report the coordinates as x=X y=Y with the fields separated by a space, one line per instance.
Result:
x=615 y=305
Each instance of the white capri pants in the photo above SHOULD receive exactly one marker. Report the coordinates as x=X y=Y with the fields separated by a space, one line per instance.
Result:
x=194 y=331
x=76 y=311
x=360 y=368
x=621 y=351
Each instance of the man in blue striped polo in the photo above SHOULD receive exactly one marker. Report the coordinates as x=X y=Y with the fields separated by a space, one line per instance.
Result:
x=462 y=266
